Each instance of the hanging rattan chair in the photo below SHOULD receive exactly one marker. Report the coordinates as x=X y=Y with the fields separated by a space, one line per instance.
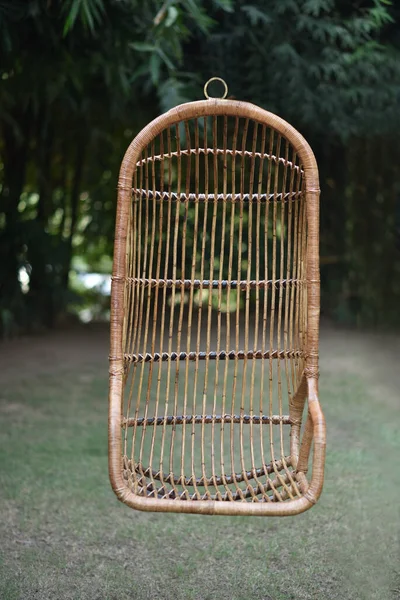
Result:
x=214 y=403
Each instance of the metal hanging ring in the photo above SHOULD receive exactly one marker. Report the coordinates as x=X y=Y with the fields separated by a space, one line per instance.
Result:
x=208 y=83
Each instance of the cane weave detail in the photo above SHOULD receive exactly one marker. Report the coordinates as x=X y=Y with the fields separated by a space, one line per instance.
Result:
x=214 y=329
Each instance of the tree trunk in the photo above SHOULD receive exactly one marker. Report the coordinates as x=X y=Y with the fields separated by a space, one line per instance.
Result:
x=74 y=200
x=11 y=238
x=42 y=276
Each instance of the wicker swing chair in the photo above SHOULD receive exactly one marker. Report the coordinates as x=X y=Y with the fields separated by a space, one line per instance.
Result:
x=215 y=316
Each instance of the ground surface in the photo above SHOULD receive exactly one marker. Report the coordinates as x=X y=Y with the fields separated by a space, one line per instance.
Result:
x=65 y=536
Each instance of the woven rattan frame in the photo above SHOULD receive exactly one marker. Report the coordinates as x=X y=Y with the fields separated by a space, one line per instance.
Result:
x=251 y=490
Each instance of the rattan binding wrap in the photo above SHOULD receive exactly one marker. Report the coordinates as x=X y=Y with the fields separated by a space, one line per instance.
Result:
x=214 y=403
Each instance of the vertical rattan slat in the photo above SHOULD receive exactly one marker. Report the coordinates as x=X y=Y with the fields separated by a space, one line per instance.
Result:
x=214 y=403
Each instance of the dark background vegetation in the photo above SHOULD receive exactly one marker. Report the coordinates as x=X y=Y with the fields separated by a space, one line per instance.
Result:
x=80 y=78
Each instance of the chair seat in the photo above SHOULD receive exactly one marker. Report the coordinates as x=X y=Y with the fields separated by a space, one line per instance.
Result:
x=273 y=482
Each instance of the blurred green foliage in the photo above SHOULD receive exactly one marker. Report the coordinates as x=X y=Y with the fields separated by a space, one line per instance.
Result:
x=78 y=79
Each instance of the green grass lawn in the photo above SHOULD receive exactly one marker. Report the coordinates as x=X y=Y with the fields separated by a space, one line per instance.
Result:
x=65 y=536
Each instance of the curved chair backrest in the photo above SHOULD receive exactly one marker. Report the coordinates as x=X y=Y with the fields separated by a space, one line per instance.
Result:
x=215 y=315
